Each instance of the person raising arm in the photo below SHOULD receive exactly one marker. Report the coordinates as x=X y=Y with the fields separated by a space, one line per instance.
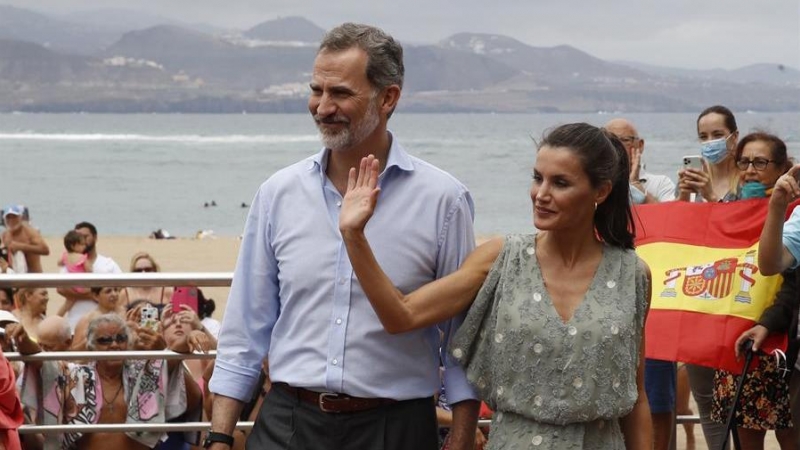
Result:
x=566 y=303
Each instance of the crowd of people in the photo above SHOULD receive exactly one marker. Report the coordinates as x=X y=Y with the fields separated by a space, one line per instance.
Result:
x=349 y=318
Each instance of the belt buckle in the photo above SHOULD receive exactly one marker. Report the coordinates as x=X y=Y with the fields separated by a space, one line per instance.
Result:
x=327 y=396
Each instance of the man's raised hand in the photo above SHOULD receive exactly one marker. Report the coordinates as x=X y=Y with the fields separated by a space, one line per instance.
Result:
x=361 y=197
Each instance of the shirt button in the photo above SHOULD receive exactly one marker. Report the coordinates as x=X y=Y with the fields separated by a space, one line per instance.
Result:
x=537 y=401
x=537 y=348
x=458 y=353
x=342 y=280
x=339 y=203
x=611 y=284
x=530 y=250
x=572 y=331
x=577 y=382
x=537 y=440
x=614 y=329
x=338 y=321
x=335 y=361
x=498 y=338
x=537 y=297
x=500 y=390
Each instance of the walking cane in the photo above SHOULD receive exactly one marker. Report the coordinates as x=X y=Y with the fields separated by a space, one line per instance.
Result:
x=747 y=347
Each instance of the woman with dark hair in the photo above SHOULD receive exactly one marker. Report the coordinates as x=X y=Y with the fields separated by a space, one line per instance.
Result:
x=718 y=136
x=764 y=403
x=553 y=340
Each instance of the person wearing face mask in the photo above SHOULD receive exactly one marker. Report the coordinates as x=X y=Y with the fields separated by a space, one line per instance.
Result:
x=718 y=135
x=764 y=404
x=718 y=182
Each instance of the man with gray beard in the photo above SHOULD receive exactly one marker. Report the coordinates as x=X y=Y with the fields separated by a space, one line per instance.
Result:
x=339 y=380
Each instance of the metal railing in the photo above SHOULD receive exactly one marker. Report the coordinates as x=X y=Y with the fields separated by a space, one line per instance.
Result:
x=216 y=279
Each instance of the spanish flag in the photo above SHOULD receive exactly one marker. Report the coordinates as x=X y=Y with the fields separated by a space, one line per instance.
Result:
x=706 y=287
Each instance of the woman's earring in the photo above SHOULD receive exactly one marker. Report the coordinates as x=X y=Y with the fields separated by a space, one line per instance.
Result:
x=595 y=206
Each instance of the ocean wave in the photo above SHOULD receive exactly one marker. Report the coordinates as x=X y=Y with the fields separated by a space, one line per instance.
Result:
x=177 y=138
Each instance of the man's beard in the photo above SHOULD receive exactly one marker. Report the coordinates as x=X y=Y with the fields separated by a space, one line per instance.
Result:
x=88 y=249
x=348 y=137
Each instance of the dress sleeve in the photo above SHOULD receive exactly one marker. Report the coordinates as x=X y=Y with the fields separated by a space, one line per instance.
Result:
x=473 y=344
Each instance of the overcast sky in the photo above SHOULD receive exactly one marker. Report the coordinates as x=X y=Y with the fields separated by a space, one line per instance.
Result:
x=701 y=34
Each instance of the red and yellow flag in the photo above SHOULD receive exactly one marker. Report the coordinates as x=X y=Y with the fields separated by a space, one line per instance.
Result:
x=707 y=288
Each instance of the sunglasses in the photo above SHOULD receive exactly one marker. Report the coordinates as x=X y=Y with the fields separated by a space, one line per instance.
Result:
x=144 y=269
x=108 y=340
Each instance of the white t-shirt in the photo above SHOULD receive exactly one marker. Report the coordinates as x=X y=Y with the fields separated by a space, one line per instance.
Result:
x=659 y=186
x=102 y=264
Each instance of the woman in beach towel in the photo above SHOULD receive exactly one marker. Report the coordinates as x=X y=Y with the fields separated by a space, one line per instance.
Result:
x=107 y=391
x=553 y=341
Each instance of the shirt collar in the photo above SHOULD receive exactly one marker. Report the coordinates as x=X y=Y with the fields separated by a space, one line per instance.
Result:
x=398 y=157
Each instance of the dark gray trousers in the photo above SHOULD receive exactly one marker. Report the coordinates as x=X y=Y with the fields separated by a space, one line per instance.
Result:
x=286 y=423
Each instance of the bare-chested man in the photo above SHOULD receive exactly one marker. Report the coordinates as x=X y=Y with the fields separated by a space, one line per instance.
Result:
x=21 y=237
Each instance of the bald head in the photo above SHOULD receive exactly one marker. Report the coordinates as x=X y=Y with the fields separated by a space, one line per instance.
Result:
x=627 y=133
x=54 y=334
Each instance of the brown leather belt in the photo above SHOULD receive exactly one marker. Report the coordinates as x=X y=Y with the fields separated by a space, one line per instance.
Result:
x=331 y=402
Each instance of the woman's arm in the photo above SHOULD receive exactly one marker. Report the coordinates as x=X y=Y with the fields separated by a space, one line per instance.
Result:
x=637 y=426
x=430 y=304
x=773 y=256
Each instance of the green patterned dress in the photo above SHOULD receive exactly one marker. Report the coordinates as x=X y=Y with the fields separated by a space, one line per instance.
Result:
x=555 y=385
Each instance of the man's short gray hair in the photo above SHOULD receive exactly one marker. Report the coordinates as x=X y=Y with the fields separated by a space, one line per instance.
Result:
x=105 y=319
x=384 y=54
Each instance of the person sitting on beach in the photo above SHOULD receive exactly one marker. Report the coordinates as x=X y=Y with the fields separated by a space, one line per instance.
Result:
x=31 y=308
x=109 y=391
x=78 y=304
x=75 y=259
x=143 y=262
x=24 y=243
x=108 y=302
x=554 y=337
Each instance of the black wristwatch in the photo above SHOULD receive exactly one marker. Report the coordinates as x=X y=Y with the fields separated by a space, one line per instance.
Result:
x=213 y=436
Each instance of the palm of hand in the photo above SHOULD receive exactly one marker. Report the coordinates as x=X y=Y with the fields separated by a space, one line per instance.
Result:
x=361 y=197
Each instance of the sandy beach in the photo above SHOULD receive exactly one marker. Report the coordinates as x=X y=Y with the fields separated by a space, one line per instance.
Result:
x=217 y=255
x=173 y=255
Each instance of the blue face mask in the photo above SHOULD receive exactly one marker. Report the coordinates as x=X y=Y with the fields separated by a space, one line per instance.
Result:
x=715 y=150
x=753 y=189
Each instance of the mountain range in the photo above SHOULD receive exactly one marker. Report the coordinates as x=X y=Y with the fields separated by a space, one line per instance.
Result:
x=122 y=61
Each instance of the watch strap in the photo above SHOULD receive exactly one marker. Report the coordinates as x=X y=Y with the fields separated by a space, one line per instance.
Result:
x=213 y=436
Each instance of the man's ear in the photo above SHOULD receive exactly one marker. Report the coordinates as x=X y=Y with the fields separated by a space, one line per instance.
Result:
x=389 y=98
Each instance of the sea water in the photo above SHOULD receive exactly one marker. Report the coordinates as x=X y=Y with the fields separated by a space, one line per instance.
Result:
x=132 y=174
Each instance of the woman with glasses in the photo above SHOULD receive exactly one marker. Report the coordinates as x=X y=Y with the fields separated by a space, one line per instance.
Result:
x=117 y=391
x=142 y=262
x=764 y=402
x=718 y=135
x=108 y=302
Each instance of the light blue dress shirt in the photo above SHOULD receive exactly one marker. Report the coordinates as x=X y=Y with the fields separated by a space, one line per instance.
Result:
x=791 y=236
x=295 y=298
